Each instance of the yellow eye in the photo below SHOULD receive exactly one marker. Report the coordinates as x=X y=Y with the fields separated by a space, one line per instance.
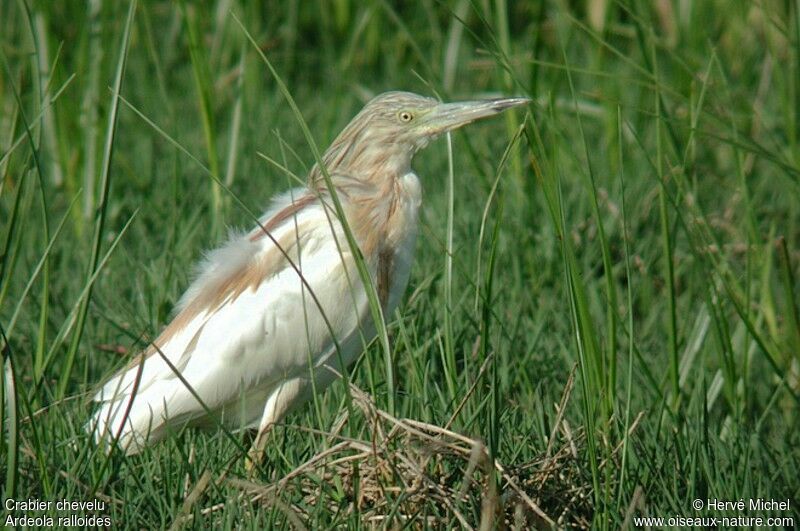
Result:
x=405 y=116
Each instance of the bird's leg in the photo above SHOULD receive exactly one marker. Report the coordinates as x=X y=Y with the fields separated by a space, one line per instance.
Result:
x=256 y=453
x=278 y=404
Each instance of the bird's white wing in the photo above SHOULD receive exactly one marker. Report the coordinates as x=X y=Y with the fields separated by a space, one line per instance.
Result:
x=247 y=324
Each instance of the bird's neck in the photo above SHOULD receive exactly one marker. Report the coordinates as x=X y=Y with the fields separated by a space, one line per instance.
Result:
x=376 y=207
x=369 y=178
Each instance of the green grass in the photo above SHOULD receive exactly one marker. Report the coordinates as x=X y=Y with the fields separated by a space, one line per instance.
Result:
x=638 y=227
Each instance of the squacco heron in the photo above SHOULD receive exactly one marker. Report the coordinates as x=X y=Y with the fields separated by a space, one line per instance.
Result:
x=263 y=318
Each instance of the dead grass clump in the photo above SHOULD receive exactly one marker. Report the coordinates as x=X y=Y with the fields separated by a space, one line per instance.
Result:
x=405 y=472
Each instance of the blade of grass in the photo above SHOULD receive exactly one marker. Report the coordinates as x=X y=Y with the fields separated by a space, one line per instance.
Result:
x=666 y=244
x=606 y=366
x=105 y=183
x=7 y=256
x=11 y=420
x=451 y=367
x=789 y=290
x=236 y=121
x=582 y=327
x=72 y=315
x=35 y=274
x=630 y=324
x=90 y=104
x=45 y=302
x=204 y=88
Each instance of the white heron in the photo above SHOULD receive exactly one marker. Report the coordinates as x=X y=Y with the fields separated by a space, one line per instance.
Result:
x=264 y=314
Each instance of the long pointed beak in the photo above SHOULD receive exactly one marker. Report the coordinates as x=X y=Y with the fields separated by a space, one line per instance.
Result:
x=448 y=116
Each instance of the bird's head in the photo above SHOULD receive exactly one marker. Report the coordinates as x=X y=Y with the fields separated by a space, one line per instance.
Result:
x=393 y=126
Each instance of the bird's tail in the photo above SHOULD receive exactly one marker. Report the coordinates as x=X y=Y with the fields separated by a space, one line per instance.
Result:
x=133 y=422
